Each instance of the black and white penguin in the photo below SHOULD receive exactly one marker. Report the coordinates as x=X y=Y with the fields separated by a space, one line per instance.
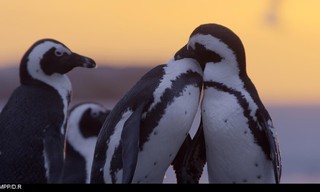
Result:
x=33 y=121
x=143 y=133
x=241 y=142
x=84 y=123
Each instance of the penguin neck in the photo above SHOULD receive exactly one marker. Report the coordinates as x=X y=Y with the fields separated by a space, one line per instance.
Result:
x=33 y=75
x=234 y=80
x=182 y=65
x=225 y=73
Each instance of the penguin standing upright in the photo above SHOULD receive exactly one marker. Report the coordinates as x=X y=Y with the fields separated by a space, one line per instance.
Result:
x=33 y=121
x=241 y=142
x=84 y=123
x=143 y=133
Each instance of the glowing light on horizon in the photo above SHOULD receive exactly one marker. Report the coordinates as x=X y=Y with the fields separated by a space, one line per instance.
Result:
x=280 y=37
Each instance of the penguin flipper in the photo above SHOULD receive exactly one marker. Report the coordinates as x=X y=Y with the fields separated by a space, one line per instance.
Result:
x=192 y=158
x=275 y=153
x=179 y=160
x=99 y=157
x=198 y=156
x=265 y=124
x=130 y=144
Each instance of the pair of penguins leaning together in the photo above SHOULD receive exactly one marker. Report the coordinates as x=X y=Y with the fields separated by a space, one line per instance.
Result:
x=148 y=129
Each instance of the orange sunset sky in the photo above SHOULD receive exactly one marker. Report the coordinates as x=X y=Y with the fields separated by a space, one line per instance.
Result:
x=281 y=37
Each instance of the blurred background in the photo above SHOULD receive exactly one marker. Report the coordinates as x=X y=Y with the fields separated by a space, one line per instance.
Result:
x=128 y=38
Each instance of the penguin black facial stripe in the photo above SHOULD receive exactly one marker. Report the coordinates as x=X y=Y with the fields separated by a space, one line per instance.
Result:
x=208 y=55
x=49 y=61
x=42 y=49
x=212 y=44
x=152 y=117
x=88 y=121
x=260 y=137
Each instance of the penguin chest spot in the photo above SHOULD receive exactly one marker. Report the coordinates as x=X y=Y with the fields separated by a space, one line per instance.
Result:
x=222 y=114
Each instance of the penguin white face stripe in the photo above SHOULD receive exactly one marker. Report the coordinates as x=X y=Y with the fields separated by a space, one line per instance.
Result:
x=34 y=67
x=114 y=141
x=59 y=82
x=173 y=69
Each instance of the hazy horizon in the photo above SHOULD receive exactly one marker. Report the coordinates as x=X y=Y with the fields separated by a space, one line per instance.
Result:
x=280 y=37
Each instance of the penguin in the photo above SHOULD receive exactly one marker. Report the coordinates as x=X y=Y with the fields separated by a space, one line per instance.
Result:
x=34 y=119
x=241 y=143
x=84 y=123
x=144 y=131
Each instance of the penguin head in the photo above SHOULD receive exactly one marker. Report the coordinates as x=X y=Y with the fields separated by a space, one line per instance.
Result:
x=92 y=120
x=49 y=57
x=219 y=47
x=87 y=118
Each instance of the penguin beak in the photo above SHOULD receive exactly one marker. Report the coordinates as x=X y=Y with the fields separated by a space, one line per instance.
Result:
x=81 y=61
x=191 y=51
x=185 y=52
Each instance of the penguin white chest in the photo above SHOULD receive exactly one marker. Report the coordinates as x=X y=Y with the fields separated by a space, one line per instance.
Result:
x=232 y=153
x=165 y=139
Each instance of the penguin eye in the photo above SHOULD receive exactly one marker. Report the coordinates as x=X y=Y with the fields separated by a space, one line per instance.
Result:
x=94 y=114
x=58 y=53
